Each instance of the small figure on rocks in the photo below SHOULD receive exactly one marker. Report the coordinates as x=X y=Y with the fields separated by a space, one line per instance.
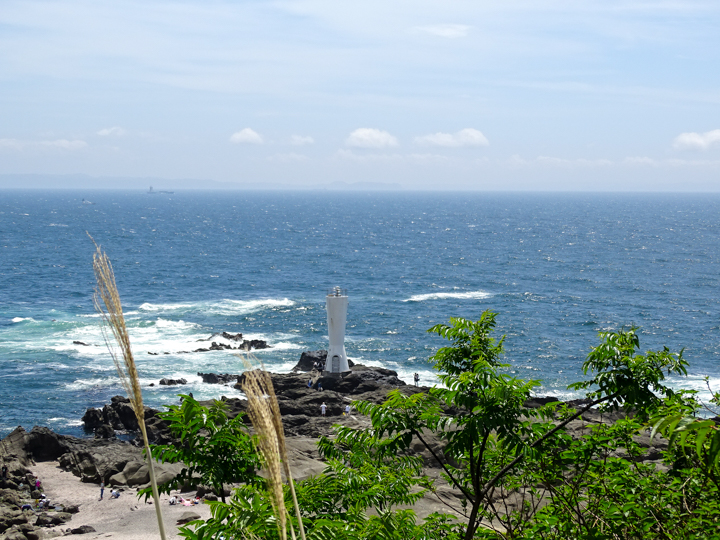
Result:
x=102 y=489
x=114 y=494
x=309 y=384
x=323 y=408
x=4 y=471
x=416 y=378
x=347 y=410
x=319 y=386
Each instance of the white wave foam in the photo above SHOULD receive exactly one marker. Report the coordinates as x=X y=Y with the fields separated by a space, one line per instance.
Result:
x=21 y=319
x=67 y=422
x=85 y=384
x=471 y=295
x=175 y=325
x=164 y=307
x=221 y=307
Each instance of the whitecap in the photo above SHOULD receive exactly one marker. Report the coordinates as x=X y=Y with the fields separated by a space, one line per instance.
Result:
x=471 y=295
x=164 y=307
x=175 y=325
x=21 y=319
x=85 y=384
x=221 y=307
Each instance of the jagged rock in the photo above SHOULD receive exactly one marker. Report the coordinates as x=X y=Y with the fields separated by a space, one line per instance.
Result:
x=52 y=519
x=105 y=431
x=187 y=517
x=226 y=335
x=15 y=535
x=93 y=418
x=218 y=378
x=10 y=517
x=82 y=529
x=308 y=359
x=254 y=344
x=112 y=418
x=10 y=497
x=537 y=401
x=81 y=343
x=172 y=382
x=136 y=472
x=30 y=532
x=119 y=415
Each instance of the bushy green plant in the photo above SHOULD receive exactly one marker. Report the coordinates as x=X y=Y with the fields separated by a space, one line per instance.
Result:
x=521 y=474
x=216 y=450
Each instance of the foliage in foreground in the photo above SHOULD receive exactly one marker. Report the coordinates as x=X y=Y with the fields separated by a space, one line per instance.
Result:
x=216 y=450
x=519 y=473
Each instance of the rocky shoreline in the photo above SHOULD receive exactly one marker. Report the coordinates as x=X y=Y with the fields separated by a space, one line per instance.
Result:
x=119 y=463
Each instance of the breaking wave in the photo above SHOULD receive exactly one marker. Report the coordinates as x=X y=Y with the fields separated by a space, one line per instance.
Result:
x=471 y=295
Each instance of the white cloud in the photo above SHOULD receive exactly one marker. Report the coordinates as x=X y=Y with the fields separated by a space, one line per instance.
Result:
x=12 y=144
x=301 y=140
x=64 y=144
x=697 y=141
x=464 y=137
x=371 y=138
x=246 y=135
x=445 y=30
x=115 y=130
x=640 y=160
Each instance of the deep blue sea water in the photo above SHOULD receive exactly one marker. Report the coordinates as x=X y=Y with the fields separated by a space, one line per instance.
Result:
x=557 y=267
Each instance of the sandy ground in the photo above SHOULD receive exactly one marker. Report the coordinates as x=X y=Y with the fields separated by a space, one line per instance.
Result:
x=126 y=518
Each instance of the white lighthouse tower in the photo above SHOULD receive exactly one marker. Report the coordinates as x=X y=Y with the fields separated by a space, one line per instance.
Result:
x=337 y=304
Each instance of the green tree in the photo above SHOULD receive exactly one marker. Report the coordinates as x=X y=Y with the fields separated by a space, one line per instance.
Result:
x=481 y=416
x=215 y=449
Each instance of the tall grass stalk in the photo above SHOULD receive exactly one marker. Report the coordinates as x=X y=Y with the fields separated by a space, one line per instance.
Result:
x=264 y=413
x=107 y=303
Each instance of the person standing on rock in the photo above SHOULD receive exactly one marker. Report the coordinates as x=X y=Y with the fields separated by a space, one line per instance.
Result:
x=323 y=408
x=102 y=489
x=416 y=377
x=347 y=410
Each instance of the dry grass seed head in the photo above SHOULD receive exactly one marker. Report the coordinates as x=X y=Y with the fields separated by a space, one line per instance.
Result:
x=258 y=389
x=108 y=305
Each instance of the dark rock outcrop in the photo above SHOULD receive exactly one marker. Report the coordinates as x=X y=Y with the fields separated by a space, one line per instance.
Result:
x=240 y=344
x=118 y=415
x=309 y=359
x=172 y=382
x=218 y=378
x=82 y=529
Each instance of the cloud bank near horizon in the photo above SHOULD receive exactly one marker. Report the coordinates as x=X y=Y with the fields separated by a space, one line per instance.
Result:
x=463 y=94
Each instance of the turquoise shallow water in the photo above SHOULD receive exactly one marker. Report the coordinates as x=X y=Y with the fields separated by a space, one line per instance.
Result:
x=558 y=269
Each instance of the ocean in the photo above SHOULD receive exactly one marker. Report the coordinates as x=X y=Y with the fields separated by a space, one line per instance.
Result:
x=558 y=268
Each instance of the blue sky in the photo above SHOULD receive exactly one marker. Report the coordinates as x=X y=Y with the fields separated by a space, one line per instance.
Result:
x=537 y=95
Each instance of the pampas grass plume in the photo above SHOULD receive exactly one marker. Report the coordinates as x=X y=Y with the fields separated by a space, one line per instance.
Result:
x=107 y=304
x=264 y=413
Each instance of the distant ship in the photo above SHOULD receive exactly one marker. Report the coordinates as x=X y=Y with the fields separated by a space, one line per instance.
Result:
x=87 y=202
x=151 y=191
